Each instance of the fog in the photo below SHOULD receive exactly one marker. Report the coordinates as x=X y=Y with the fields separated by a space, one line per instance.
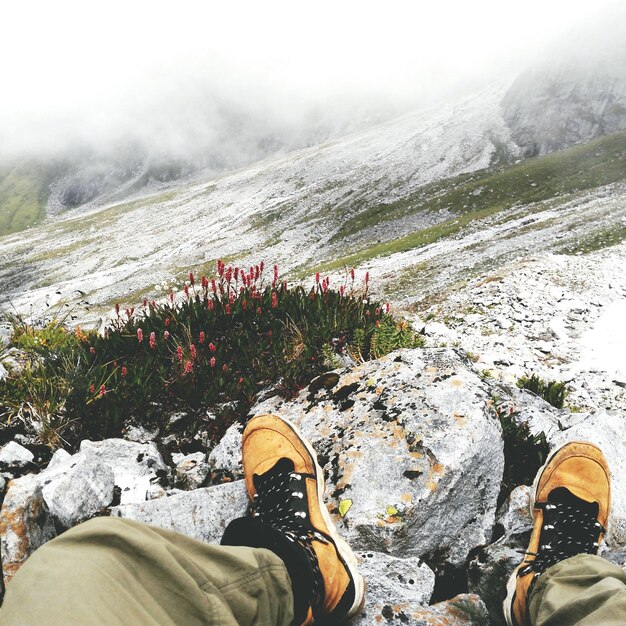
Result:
x=225 y=83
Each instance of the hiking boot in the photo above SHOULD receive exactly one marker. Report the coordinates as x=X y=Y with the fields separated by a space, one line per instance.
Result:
x=286 y=486
x=570 y=509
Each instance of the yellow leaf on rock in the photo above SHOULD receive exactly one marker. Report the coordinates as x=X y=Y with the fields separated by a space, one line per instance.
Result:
x=344 y=507
x=391 y=510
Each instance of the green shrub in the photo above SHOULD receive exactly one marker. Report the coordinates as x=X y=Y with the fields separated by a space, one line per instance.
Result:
x=524 y=453
x=215 y=347
x=552 y=392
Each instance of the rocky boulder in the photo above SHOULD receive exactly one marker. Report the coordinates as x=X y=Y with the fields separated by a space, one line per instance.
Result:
x=412 y=457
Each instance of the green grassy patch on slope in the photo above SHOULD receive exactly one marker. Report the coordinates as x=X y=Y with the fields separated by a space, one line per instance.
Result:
x=23 y=196
x=599 y=162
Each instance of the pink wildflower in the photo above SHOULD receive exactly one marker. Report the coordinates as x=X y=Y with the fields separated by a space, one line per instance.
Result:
x=212 y=361
x=188 y=367
x=152 y=339
x=145 y=303
x=103 y=390
x=192 y=349
x=213 y=287
x=262 y=265
x=186 y=290
x=317 y=277
x=139 y=335
x=227 y=309
x=124 y=371
x=258 y=310
x=275 y=273
x=191 y=279
x=92 y=350
x=201 y=336
x=171 y=296
x=92 y=388
x=179 y=354
x=167 y=322
x=210 y=304
x=274 y=300
x=352 y=274
x=166 y=335
x=212 y=347
x=367 y=277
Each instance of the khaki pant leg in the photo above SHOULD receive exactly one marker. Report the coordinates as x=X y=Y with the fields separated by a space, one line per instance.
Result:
x=111 y=572
x=586 y=590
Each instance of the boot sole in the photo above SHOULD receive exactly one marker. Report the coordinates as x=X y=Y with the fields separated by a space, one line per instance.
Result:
x=344 y=551
x=511 y=585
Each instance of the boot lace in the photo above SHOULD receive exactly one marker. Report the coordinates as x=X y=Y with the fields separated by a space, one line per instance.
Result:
x=570 y=527
x=281 y=502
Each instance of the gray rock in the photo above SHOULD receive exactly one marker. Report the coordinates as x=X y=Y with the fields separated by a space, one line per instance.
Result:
x=141 y=434
x=25 y=523
x=135 y=465
x=226 y=455
x=489 y=571
x=13 y=454
x=191 y=471
x=3 y=372
x=395 y=436
x=58 y=458
x=77 y=488
x=393 y=580
x=462 y=610
x=202 y=513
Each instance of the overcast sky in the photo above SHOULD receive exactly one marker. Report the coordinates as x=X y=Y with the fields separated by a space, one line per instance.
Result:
x=98 y=69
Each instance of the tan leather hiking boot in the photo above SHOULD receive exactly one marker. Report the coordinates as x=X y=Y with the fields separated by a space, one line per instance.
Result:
x=570 y=507
x=286 y=486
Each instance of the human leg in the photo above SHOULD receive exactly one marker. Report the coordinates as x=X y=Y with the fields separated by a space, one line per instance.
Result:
x=112 y=571
x=570 y=507
x=585 y=589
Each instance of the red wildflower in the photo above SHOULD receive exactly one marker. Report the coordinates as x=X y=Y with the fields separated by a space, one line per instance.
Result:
x=377 y=311
x=92 y=350
x=387 y=307
x=275 y=273
x=212 y=361
x=352 y=274
x=258 y=310
x=227 y=309
x=284 y=285
x=312 y=295
x=179 y=354
x=209 y=304
x=152 y=339
x=171 y=296
x=166 y=335
x=201 y=336
x=103 y=390
x=341 y=290
x=274 y=300
x=92 y=389
x=262 y=265
x=186 y=290
x=241 y=381
x=114 y=363
x=317 y=277
x=257 y=272
x=212 y=347
x=145 y=303
x=224 y=368
x=229 y=274
x=231 y=297
x=213 y=287
x=167 y=322
x=124 y=371
x=367 y=277
x=236 y=273
x=205 y=283
x=192 y=349
x=117 y=309
x=188 y=367
x=191 y=279
x=139 y=335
